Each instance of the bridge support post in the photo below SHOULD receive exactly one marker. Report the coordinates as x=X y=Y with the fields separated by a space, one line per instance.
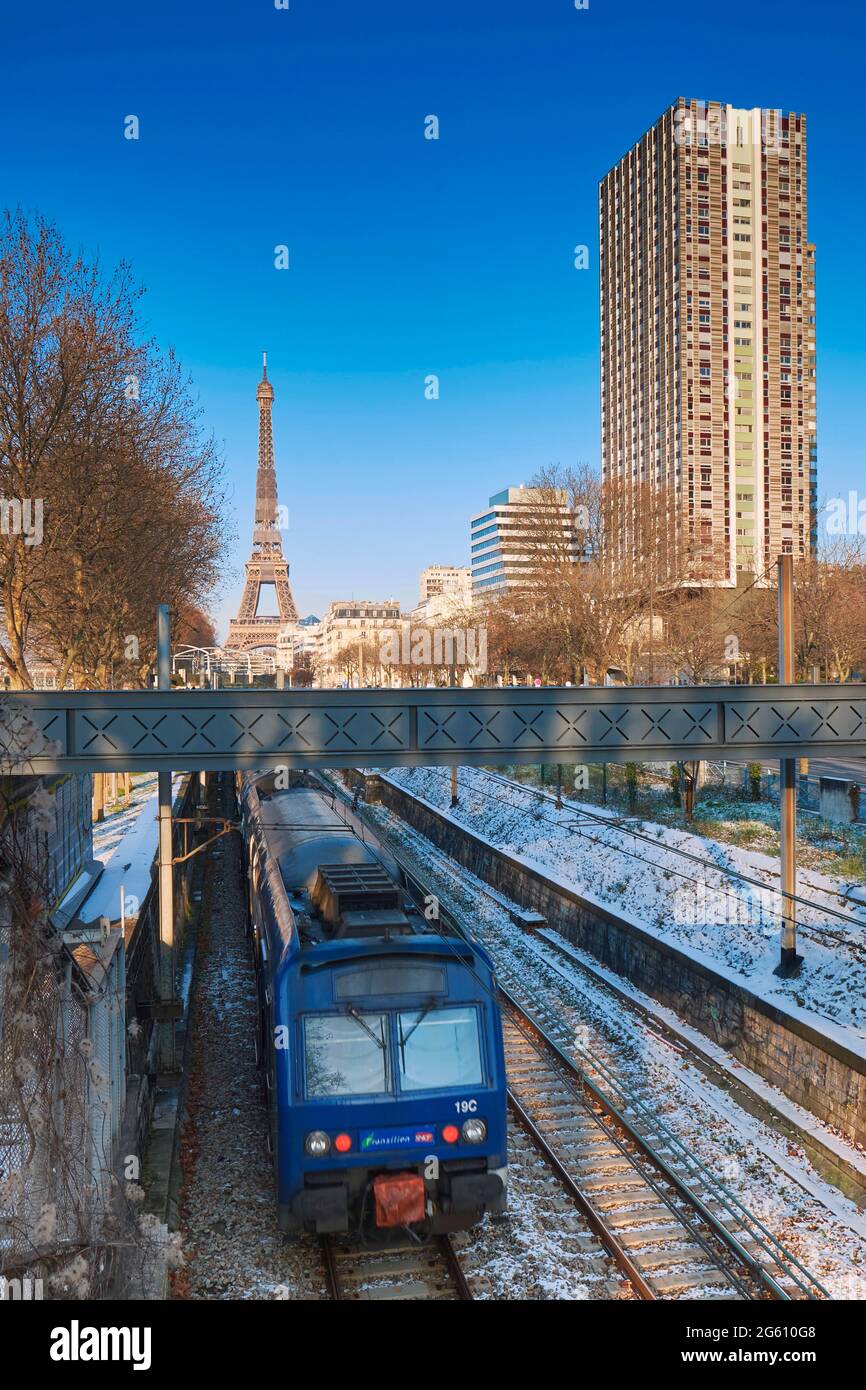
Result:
x=789 y=961
x=166 y=868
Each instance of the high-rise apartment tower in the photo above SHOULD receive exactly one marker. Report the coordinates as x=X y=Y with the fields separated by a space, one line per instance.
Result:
x=708 y=341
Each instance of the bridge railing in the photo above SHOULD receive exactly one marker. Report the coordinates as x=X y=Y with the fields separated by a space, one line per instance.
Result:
x=246 y=729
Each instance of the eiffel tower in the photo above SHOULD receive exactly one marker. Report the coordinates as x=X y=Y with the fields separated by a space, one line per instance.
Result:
x=267 y=564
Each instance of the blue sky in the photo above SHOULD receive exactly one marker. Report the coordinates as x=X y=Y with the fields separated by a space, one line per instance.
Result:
x=408 y=257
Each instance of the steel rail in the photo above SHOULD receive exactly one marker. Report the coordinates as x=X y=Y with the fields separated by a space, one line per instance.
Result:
x=768 y=1242
x=442 y=1243
x=561 y=948
x=331 y=1275
x=455 y=1269
x=594 y=1219
x=684 y=1191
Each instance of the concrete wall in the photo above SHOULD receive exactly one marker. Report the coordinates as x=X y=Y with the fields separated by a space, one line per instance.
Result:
x=816 y=1072
x=839 y=800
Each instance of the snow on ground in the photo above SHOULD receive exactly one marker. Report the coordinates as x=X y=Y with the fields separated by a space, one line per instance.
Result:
x=126 y=844
x=769 y=1173
x=732 y=926
x=541 y=1249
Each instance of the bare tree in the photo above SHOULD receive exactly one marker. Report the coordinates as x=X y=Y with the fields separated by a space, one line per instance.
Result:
x=358 y=660
x=97 y=431
x=194 y=627
x=302 y=672
x=593 y=590
x=697 y=632
x=829 y=616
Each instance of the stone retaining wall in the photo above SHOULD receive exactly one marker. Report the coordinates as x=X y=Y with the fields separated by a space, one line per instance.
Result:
x=815 y=1071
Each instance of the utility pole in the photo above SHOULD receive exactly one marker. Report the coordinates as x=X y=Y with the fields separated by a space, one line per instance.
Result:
x=166 y=867
x=789 y=961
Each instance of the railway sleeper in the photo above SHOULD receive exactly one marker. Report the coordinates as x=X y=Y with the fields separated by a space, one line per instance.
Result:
x=654 y=1235
x=704 y=1279
x=650 y=1216
x=390 y=1269
x=603 y=1158
x=407 y=1291
x=613 y=1185
x=626 y=1202
x=650 y=1260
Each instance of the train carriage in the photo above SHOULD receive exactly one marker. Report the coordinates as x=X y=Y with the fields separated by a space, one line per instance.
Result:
x=379 y=1035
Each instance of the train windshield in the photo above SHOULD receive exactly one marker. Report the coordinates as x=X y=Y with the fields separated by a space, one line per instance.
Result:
x=346 y=1054
x=439 y=1048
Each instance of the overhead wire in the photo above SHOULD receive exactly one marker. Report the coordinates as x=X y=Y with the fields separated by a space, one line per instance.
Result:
x=621 y=825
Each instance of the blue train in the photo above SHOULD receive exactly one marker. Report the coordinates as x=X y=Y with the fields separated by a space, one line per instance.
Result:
x=379 y=1036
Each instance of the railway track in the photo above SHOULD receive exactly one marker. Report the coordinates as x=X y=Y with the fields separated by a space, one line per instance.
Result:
x=404 y=1273
x=673 y=1229
x=667 y=1239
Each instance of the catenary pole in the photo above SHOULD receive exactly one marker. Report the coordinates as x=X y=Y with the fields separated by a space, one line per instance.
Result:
x=789 y=961
x=166 y=868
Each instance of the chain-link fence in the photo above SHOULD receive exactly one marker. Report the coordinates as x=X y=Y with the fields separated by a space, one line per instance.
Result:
x=67 y=1053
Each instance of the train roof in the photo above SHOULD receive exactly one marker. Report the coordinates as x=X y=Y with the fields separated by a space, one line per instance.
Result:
x=303 y=832
x=335 y=897
x=458 y=959
x=334 y=883
x=450 y=948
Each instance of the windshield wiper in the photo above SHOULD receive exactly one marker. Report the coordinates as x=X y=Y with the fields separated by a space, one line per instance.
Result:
x=419 y=1020
x=353 y=1013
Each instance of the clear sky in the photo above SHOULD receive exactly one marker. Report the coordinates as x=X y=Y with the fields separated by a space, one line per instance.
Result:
x=305 y=127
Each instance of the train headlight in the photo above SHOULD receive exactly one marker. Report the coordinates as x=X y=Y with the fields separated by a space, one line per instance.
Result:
x=317 y=1143
x=474 y=1131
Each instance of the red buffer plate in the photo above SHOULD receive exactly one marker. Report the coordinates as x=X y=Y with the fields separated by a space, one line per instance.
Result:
x=399 y=1198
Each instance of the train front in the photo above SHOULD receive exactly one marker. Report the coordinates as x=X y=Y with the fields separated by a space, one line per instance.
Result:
x=398 y=1109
